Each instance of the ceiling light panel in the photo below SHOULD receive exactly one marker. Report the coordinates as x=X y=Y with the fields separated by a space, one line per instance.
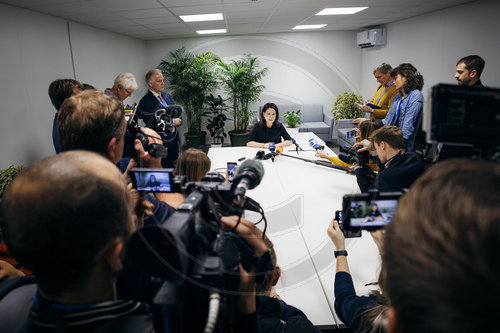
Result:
x=213 y=31
x=309 y=26
x=341 y=11
x=202 y=17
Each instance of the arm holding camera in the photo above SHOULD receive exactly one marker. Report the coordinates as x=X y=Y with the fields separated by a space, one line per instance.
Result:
x=348 y=305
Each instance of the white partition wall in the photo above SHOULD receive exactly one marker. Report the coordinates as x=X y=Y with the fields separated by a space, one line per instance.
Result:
x=37 y=49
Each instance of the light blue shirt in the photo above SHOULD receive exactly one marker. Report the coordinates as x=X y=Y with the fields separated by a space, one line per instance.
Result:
x=410 y=114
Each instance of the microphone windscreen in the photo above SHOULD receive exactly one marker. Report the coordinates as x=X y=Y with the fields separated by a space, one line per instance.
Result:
x=254 y=165
x=279 y=150
x=267 y=156
x=259 y=155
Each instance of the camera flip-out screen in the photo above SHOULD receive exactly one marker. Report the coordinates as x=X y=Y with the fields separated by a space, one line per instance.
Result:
x=366 y=211
x=152 y=180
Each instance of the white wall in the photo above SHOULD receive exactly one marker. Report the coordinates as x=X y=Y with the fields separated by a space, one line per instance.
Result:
x=307 y=67
x=435 y=42
x=35 y=51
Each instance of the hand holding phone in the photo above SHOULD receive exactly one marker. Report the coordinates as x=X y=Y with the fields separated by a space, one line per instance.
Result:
x=374 y=106
x=347 y=233
x=351 y=134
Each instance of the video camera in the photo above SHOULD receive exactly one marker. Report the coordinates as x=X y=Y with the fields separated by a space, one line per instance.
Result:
x=134 y=132
x=353 y=156
x=191 y=256
x=162 y=121
x=464 y=116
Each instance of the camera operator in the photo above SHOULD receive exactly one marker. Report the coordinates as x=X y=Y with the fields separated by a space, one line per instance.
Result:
x=74 y=244
x=348 y=159
x=440 y=260
x=96 y=122
x=361 y=313
x=397 y=170
x=156 y=99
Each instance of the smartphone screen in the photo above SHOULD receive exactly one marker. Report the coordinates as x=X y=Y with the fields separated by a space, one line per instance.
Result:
x=370 y=212
x=152 y=180
x=231 y=170
x=338 y=216
x=351 y=134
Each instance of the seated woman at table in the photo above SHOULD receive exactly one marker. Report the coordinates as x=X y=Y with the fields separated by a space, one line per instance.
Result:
x=269 y=129
x=365 y=130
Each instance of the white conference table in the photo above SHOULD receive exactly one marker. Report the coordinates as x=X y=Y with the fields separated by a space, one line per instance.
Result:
x=299 y=200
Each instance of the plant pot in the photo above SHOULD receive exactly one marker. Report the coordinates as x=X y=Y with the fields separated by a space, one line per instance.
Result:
x=195 y=140
x=238 y=139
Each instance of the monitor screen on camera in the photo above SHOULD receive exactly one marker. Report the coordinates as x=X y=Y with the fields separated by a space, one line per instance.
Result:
x=372 y=213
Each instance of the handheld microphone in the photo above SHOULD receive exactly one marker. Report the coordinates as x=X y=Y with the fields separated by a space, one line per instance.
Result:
x=315 y=145
x=272 y=147
x=279 y=150
x=248 y=176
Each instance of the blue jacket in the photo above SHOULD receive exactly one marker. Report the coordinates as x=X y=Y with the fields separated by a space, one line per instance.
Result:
x=410 y=115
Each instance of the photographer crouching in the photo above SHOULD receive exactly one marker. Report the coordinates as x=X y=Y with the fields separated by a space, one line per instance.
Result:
x=397 y=169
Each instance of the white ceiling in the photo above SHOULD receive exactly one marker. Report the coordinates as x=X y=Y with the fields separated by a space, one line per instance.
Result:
x=157 y=19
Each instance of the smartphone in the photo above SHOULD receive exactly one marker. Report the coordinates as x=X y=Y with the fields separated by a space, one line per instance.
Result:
x=369 y=211
x=152 y=180
x=231 y=170
x=347 y=233
x=351 y=134
x=374 y=106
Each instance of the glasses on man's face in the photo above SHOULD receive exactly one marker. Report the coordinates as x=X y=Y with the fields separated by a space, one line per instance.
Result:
x=129 y=91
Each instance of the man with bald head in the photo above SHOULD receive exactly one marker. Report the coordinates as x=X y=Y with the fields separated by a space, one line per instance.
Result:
x=67 y=218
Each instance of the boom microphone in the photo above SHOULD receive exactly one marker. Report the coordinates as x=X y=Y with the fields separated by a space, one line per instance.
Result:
x=248 y=176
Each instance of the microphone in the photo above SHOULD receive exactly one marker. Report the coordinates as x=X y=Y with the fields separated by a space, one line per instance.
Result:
x=248 y=176
x=259 y=155
x=272 y=147
x=279 y=150
x=295 y=143
x=315 y=145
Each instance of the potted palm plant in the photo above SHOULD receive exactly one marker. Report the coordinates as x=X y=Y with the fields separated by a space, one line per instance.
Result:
x=191 y=77
x=240 y=79
x=216 y=119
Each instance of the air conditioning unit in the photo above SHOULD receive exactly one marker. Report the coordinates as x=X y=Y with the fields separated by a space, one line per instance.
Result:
x=371 y=38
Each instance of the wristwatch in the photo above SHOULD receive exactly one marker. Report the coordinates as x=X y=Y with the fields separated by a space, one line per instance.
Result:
x=340 y=253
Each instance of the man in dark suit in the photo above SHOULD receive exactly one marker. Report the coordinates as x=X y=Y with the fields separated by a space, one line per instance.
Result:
x=468 y=74
x=156 y=99
x=397 y=170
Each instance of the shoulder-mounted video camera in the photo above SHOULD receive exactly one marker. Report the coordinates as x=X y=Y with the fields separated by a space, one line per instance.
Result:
x=180 y=262
x=134 y=132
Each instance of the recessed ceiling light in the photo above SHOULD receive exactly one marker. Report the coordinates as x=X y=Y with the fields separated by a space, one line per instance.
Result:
x=202 y=17
x=341 y=11
x=310 y=26
x=214 y=31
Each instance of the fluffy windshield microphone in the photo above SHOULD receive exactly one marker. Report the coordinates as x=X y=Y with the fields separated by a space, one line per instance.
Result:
x=248 y=176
